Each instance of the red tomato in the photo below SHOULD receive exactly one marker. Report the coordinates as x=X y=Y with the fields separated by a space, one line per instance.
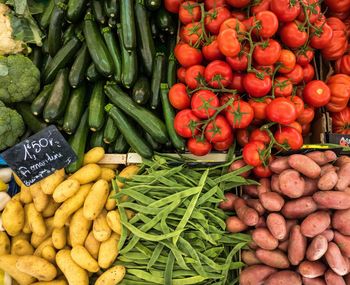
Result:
x=172 y=6
x=191 y=33
x=267 y=52
x=283 y=86
x=296 y=126
x=285 y=10
x=341 y=121
x=237 y=82
x=218 y=74
x=259 y=107
x=224 y=145
x=228 y=42
x=252 y=153
x=287 y=60
x=307 y=116
x=321 y=37
x=305 y=57
x=298 y=104
x=309 y=73
x=211 y=51
x=281 y=111
x=186 y=123
x=268 y=23
x=226 y=97
x=316 y=93
x=260 y=6
x=263 y=171
x=189 y=12
x=259 y=135
x=234 y=24
x=313 y=12
x=242 y=137
x=211 y=4
x=204 y=104
x=187 y=55
x=239 y=62
x=240 y=15
x=290 y=137
x=215 y=17
x=338 y=5
x=296 y=75
x=239 y=114
x=181 y=74
x=255 y=86
x=198 y=146
x=178 y=96
x=238 y=3
x=343 y=65
x=305 y=129
x=194 y=76
x=292 y=36
x=219 y=130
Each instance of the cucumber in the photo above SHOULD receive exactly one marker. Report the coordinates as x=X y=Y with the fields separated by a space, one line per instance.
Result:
x=75 y=109
x=158 y=71
x=96 y=107
x=145 y=118
x=169 y=115
x=75 y=10
x=145 y=41
x=165 y=21
x=154 y=145
x=127 y=20
x=39 y=102
x=61 y=59
x=120 y=145
x=110 y=132
x=78 y=143
x=96 y=139
x=153 y=5
x=32 y=122
x=36 y=56
x=68 y=34
x=130 y=132
x=114 y=52
x=111 y=8
x=79 y=67
x=92 y=74
x=44 y=21
x=58 y=99
x=54 y=37
x=98 y=11
x=97 y=47
x=141 y=91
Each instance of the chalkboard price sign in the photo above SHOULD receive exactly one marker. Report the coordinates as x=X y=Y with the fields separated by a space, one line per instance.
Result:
x=39 y=155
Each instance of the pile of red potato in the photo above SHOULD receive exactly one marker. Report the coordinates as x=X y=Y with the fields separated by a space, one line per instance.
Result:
x=299 y=220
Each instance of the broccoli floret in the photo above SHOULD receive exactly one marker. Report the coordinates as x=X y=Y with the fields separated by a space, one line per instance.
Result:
x=19 y=79
x=11 y=126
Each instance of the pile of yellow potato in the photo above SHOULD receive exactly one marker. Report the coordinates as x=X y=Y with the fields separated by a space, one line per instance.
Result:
x=62 y=230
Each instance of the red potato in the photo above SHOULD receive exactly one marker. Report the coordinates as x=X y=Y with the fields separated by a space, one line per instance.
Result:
x=327 y=167
x=265 y=186
x=305 y=165
x=275 y=184
x=255 y=275
x=229 y=203
x=347 y=190
x=328 y=234
x=279 y=164
x=291 y=183
x=322 y=157
x=342 y=160
x=311 y=269
x=328 y=181
x=340 y=221
x=271 y=201
x=256 y=205
x=252 y=245
x=274 y=258
x=237 y=165
x=289 y=225
x=261 y=223
x=310 y=186
x=235 y=225
x=343 y=177
x=315 y=223
x=347 y=279
x=317 y=248
x=283 y=246
x=283 y=277
x=251 y=190
x=336 y=260
x=333 y=279
x=299 y=208
x=249 y=257
x=277 y=225
x=343 y=242
x=337 y=200
x=297 y=245
x=264 y=239
x=313 y=281
x=246 y=214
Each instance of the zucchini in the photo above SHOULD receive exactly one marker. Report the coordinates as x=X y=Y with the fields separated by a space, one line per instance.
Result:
x=171 y=72
x=75 y=108
x=46 y=60
x=92 y=74
x=39 y=102
x=158 y=71
x=32 y=122
x=153 y=5
x=127 y=20
x=169 y=115
x=154 y=27
x=75 y=10
x=145 y=41
x=110 y=132
x=164 y=20
x=78 y=143
x=45 y=46
x=130 y=132
x=58 y=99
x=68 y=34
x=96 y=107
x=36 y=57
x=98 y=11
x=54 y=37
x=145 y=118
x=154 y=145
x=79 y=67
x=112 y=22
x=120 y=145
x=96 y=139
x=114 y=52
x=44 y=21
x=141 y=91
x=97 y=48
x=111 y=8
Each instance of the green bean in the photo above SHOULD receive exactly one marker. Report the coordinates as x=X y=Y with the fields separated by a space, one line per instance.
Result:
x=146 y=276
x=137 y=196
x=177 y=254
x=124 y=232
x=168 y=273
x=214 y=252
x=158 y=250
x=139 y=208
x=229 y=259
x=234 y=175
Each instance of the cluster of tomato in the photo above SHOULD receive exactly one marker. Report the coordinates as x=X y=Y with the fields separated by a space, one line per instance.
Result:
x=247 y=72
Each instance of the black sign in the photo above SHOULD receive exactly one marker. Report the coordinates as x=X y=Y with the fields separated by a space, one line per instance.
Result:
x=39 y=155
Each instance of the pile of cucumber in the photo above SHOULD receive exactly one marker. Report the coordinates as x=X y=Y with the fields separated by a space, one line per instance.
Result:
x=98 y=52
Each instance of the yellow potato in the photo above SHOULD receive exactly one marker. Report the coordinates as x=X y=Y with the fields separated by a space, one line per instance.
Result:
x=94 y=155
x=26 y=228
x=17 y=180
x=4 y=244
x=21 y=247
x=59 y=237
x=65 y=190
x=92 y=245
x=87 y=173
x=13 y=218
x=79 y=228
x=112 y=276
x=83 y=258
x=107 y=174
x=53 y=282
x=49 y=183
x=74 y=273
x=110 y=166
x=37 y=240
x=70 y=206
x=47 y=242
x=100 y=227
x=113 y=221
x=37 y=267
x=8 y=264
x=96 y=199
x=49 y=253
x=51 y=208
x=16 y=197
x=108 y=251
x=36 y=221
x=25 y=196
x=40 y=199
x=21 y=236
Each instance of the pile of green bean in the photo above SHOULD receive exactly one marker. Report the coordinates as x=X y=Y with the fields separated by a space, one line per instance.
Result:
x=177 y=235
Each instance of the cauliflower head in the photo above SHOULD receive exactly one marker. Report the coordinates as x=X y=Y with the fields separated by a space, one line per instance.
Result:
x=11 y=126
x=19 y=79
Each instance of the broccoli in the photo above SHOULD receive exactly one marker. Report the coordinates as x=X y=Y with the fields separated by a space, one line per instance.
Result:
x=19 y=79
x=11 y=126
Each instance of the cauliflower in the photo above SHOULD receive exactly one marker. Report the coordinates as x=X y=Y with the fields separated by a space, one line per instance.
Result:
x=11 y=126
x=19 y=79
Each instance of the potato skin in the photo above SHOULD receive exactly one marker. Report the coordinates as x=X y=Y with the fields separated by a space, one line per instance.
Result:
x=344 y=177
x=87 y=173
x=280 y=164
x=59 y=237
x=255 y=274
x=328 y=181
x=328 y=234
x=317 y=248
x=49 y=253
x=275 y=184
x=313 y=281
x=343 y=242
x=305 y=165
x=13 y=217
x=291 y=183
x=36 y=221
x=340 y=221
x=112 y=276
x=333 y=279
x=246 y=214
x=49 y=183
x=322 y=157
x=65 y=190
x=296 y=246
x=256 y=205
x=92 y=245
x=284 y=277
x=83 y=258
x=5 y=245
x=50 y=209
x=107 y=174
x=94 y=155
x=235 y=225
x=79 y=228
x=96 y=199
x=264 y=239
x=108 y=251
x=21 y=247
x=25 y=196
x=53 y=282
x=332 y=199
x=274 y=258
x=335 y=260
x=36 y=240
x=8 y=264
x=37 y=267
x=299 y=208
x=249 y=257
x=277 y=225
x=311 y=269
x=271 y=201
x=100 y=227
x=315 y=223
x=310 y=186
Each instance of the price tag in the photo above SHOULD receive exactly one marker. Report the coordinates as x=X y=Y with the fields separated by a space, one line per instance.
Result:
x=39 y=155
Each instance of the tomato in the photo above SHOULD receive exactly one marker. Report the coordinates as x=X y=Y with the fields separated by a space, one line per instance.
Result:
x=228 y=96
x=240 y=15
x=342 y=65
x=263 y=171
x=194 y=76
x=215 y=17
x=198 y=146
x=224 y=145
x=296 y=126
x=242 y=137
x=339 y=86
x=321 y=39
x=341 y=121
x=292 y=36
x=267 y=52
x=211 y=51
x=186 y=123
x=238 y=3
x=283 y=87
x=172 y=6
x=338 y=5
x=178 y=96
x=239 y=114
x=316 y=93
x=259 y=6
x=218 y=74
x=257 y=87
x=253 y=153
x=204 y=104
x=239 y=62
x=237 y=82
x=307 y=116
x=298 y=104
x=268 y=24
x=296 y=75
x=191 y=33
x=234 y=24
x=309 y=73
x=259 y=135
x=189 y=12
x=187 y=55
x=305 y=129
x=228 y=42
x=266 y=69
x=313 y=12
x=218 y=130
x=287 y=60
x=281 y=111
x=211 y=4
x=285 y=10
x=259 y=107
x=304 y=57
x=290 y=137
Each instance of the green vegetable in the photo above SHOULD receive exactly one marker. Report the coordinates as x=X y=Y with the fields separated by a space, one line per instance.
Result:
x=39 y=102
x=111 y=8
x=141 y=91
x=127 y=20
x=46 y=15
x=120 y=145
x=76 y=9
x=110 y=132
x=54 y=37
x=96 y=107
x=114 y=51
x=96 y=139
x=31 y=121
x=92 y=74
x=158 y=73
x=79 y=67
x=98 y=11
